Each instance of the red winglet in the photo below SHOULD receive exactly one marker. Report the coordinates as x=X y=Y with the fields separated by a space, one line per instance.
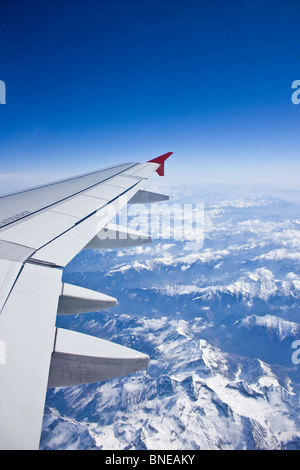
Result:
x=161 y=160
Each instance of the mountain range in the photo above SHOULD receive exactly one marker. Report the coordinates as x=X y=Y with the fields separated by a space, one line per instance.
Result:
x=218 y=321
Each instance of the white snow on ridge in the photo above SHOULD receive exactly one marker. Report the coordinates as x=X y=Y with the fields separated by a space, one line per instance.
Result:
x=258 y=284
x=279 y=254
x=282 y=327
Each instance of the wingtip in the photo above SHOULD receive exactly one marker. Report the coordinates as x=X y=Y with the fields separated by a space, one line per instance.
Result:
x=161 y=160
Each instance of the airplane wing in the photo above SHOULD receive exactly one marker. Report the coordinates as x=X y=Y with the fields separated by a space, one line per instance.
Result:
x=41 y=231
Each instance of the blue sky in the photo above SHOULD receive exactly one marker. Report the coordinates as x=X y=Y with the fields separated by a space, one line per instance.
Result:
x=93 y=83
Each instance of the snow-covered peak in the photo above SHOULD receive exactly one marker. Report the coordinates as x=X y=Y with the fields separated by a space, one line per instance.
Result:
x=277 y=325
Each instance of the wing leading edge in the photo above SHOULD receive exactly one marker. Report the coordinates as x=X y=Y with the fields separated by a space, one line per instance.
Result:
x=41 y=231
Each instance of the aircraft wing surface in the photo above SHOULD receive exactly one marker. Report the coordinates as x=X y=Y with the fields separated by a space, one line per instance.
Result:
x=41 y=231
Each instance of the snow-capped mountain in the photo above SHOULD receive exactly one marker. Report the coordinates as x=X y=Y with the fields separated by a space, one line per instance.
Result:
x=218 y=323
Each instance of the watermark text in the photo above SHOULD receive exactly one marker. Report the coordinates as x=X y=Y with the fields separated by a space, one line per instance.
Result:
x=160 y=221
x=2 y=92
x=296 y=354
x=296 y=93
